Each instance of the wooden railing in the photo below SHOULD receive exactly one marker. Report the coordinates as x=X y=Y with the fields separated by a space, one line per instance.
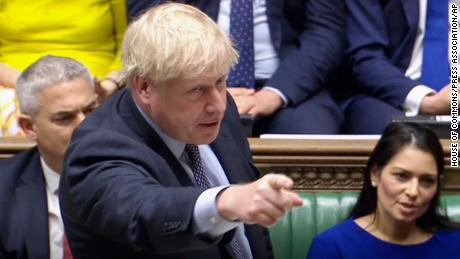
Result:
x=328 y=164
x=313 y=164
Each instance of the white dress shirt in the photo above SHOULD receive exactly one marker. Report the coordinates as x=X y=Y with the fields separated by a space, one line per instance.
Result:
x=56 y=227
x=206 y=217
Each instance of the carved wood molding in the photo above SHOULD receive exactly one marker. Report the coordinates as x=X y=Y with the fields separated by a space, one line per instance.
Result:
x=328 y=164
x=340 y=177
x=320 y=177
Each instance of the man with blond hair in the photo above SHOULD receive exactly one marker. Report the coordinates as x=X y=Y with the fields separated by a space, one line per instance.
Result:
x=163 y=169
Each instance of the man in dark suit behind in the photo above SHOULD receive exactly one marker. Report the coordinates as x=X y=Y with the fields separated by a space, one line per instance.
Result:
x=163 y=169
x=298 y=45
x=387 y=49
x=55 y=94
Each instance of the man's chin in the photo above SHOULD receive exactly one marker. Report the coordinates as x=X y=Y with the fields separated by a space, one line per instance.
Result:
x=206 y=135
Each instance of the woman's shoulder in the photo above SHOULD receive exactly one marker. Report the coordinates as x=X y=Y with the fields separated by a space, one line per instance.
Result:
x=451 y=234
x=337 y=241
x=339 y=231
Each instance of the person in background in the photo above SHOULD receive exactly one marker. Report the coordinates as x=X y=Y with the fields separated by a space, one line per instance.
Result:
x=398 y=62
x=289 y=51
x=397 y=214
x=90 y=31
x=163 y=169
x=55 y=94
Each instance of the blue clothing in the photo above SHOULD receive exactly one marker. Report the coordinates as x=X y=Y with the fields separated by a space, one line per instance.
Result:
x=24 y=231
x=380 y=36
x=309 y=39
x=124 y=194
x=348 y=240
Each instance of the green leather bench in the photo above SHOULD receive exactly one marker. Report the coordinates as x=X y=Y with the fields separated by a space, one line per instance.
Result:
x=292 y=235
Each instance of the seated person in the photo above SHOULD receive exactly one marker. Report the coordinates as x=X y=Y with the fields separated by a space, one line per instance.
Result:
x=55 y=94
x=88 y=31
x=163 y=168
x=289 y=49
x=399 y=62
x=397 y=214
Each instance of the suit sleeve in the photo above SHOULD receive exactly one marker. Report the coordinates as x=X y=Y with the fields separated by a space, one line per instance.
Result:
x=368 y=47
x=137 y=7
x=114 y=186
x=305 y=67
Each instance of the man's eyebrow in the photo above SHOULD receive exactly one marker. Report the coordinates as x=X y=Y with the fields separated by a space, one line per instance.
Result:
x=63 y=113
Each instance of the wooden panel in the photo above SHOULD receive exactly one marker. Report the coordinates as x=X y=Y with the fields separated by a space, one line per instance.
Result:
x=10 y=146
x=313 y=164
x=327 y=164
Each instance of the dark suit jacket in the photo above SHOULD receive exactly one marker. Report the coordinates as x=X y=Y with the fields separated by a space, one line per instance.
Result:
x=381 y=35
x=308 y=36
x=23 y=207
x=124 y=195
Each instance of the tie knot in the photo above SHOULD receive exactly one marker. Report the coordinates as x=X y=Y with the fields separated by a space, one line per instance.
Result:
x=192 y=151
x=194 y=161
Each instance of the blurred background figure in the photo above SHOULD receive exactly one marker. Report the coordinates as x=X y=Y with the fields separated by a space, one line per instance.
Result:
x=89 y=31
x=55 y=94
x=398 y=62
x=288 y=49
x=397 y=214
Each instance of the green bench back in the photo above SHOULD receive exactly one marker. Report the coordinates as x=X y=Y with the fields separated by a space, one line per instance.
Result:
x=292 y=235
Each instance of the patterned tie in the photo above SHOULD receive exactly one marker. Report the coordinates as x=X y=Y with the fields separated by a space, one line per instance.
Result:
x=194 y=161
x=242 y=33
x=435 y=67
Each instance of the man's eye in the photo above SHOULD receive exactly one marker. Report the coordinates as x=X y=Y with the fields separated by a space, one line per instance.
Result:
x=90 y=109
x=196 y=92
x=63 y=118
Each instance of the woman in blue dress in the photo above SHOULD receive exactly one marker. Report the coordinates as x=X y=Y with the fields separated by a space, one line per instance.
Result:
x=397 y=214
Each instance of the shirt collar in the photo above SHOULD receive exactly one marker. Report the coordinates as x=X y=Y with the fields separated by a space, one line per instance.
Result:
x=176 y=147
x=51 y=177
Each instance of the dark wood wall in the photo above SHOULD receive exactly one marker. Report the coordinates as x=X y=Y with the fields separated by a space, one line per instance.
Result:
x=313 y=164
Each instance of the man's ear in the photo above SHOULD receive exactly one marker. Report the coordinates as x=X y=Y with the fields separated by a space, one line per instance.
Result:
x=28 y=126
x=142 y=89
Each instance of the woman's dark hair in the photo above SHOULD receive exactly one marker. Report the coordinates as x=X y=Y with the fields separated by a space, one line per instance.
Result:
x=395 y=137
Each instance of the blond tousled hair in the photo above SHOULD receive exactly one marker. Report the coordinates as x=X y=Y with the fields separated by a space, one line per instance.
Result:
x=175 y=40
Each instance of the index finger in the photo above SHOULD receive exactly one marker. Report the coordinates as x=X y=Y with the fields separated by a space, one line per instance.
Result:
x=279 y=181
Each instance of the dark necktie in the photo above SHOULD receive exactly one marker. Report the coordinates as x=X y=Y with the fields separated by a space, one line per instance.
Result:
x=435 y=66
x=194 y=161
x=242 y=33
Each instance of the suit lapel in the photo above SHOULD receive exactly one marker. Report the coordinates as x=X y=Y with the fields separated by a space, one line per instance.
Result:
x=137 y=123
x=33 y=210
x=411 y=10
x=228 y=156
x=275 y=17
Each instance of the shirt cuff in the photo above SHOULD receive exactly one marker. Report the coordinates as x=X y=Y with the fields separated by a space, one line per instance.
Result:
x=279 y=93
x=414 y=99
x=206 y=218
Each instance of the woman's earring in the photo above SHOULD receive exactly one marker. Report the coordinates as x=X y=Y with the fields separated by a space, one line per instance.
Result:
x=373 y=184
